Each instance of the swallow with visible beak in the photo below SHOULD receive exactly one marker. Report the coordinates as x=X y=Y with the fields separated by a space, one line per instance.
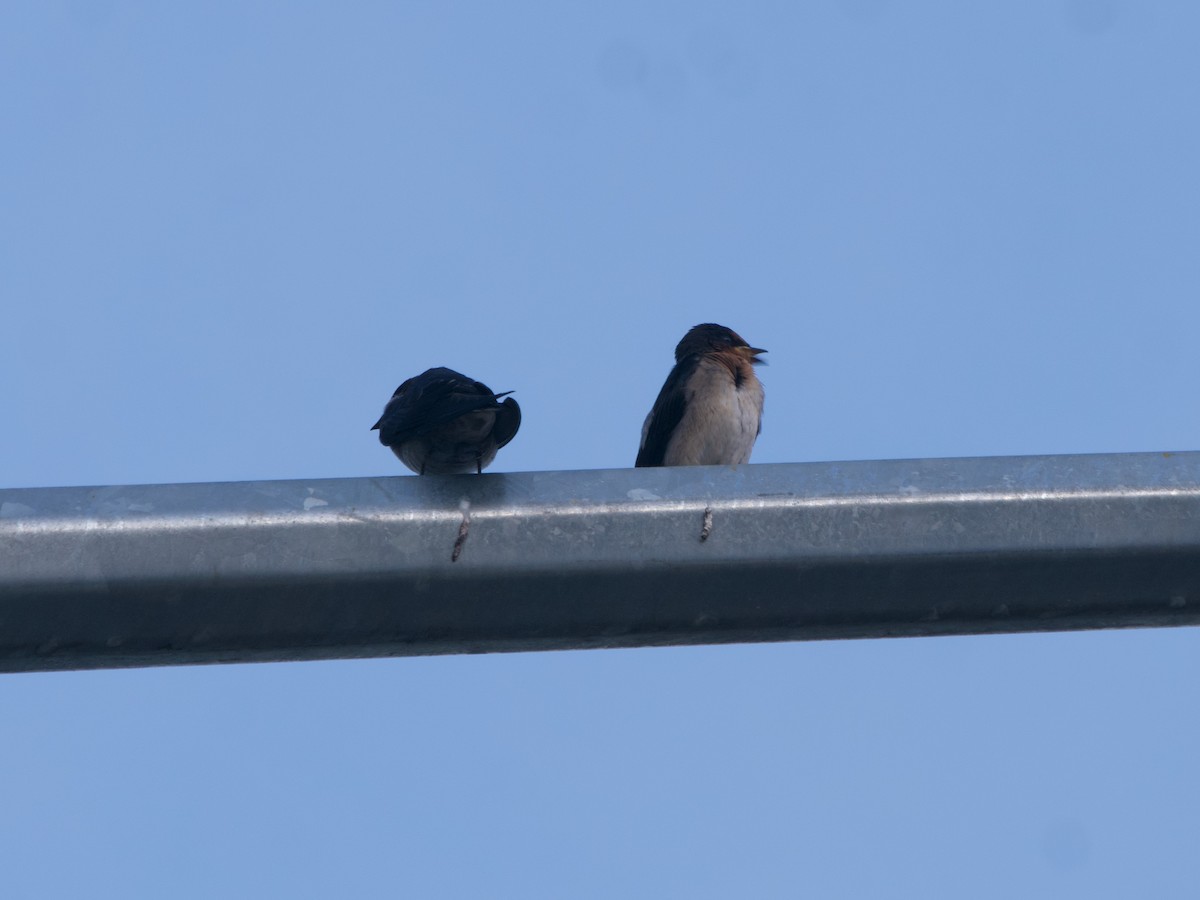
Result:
x=443 y=423
x=709 y=411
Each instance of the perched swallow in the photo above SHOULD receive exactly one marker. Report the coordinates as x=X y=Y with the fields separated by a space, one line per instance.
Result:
x=443 y=423
x=709 y=411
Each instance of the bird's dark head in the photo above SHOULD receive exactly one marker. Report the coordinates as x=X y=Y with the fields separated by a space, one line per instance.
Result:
x=404 y=388
x=439 y=377
x=710 y=338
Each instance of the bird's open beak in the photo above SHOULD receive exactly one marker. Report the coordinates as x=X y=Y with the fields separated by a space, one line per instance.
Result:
x=752 y=355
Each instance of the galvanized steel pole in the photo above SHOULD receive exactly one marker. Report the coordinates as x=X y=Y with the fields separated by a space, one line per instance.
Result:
x=290 y=570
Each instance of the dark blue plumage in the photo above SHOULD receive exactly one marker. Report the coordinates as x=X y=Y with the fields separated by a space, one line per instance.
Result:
x=443 y=423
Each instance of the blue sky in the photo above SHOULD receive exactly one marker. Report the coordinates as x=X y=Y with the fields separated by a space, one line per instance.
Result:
x=229 y=230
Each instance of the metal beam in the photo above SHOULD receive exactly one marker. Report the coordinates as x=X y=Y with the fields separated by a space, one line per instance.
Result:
x=288 y=570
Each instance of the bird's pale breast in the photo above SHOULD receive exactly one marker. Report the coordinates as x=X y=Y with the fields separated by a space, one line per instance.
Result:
x=721 y=419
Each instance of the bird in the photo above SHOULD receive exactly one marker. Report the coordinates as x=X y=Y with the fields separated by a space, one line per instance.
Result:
x=709 y=411
x=443 y=423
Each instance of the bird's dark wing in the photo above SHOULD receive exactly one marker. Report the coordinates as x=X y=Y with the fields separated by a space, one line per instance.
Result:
x=508 y=420
x=666 y=414
x=429 y=401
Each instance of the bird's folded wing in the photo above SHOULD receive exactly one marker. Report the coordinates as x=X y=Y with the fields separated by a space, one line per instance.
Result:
x=408 y=417
x=665 y=415
x=508 y=420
